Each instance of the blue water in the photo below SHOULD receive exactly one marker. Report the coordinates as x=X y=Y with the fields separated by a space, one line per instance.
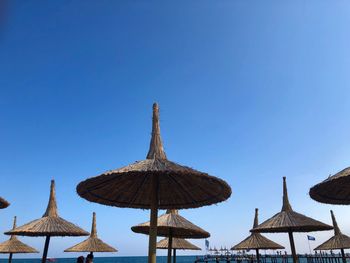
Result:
x=179 y=259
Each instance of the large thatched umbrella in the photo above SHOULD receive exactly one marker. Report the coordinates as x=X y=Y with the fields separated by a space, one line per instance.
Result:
x=338 y=241
x=288 y=221
x=93 y=243
x=14 y=246
x=176 y=243
x=49 y=225
x=256 y=241
x=155 y=183
x=171 y=224
x=3 y=203
x=334 y=190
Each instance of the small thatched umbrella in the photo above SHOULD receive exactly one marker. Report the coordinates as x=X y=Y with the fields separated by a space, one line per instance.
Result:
x=3 y=203
x=49 y=225
x=256 y=241
x=93 y=243
x=334 y=190
x=176 y=243
x=171 y=224
x=288 y=221
x=155 y=183
x=338 y=241
x=14 y=246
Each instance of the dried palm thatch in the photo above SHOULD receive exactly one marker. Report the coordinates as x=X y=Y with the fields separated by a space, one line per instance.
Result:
x=333 y=190
x=15 y=246
x=172 y=222
x=3 y=203
x=93 y=243
x=289 y=221
x=256 y=241
x=145 y=184
x=178 y=243
x=50 y=224
x=338 y=241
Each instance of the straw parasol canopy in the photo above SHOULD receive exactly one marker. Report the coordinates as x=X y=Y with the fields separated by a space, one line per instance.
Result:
x=171 y=224
x=338 y=241
x=289 y=221
x=3 y=203
x=14 y=246
x=333 y=190
x=256 y=241
x=145 y=184
x=178 y=243
x=93 y=243
x=50 y=224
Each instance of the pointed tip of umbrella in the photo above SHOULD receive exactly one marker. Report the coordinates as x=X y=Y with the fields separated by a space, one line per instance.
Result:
x=156 y=150
x=14 y=226
x=172 y=211
x=256 y=219
x=93 y=227
x=51 y=210
x=286 y=205
x=335 y=224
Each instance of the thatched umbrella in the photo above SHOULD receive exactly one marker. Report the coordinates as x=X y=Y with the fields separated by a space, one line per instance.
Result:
x=171 y=224
x=14 y=246
x=93 y=243
x=49 y=225
x=176 y=243
x=146 y=184
x=338 y=241
x=256 y=241
x=3 y=203
x=333 y=190
x=288 y=221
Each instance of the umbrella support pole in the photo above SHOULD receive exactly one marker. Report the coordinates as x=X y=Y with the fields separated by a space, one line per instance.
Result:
x=170 y=246
x=343 y=255
x=46 y=248
x=10 y=257
x=257 y=255
x=152 y=253
x=174 y=255
x=292 y=247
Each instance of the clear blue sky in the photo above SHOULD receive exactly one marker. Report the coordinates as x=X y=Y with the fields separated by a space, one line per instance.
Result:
x=249 y=91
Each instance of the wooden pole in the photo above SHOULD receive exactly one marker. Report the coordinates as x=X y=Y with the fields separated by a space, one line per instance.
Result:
x=292 y=247
x=46 y=248
x=174 y=255
x=152 y=246
x=257 y=255
x=343 y=255
x=170 y=245
x=10 y=258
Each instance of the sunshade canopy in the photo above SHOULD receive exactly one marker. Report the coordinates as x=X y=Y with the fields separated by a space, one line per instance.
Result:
x=338 y=241
x=130 y=186
x=289 y=221
x=256 y=240
x=3 y=203
x=177 y=243
x=50 y=224
x=13 y=245
x=93 y=243
x=171 y=221
x=334 y=190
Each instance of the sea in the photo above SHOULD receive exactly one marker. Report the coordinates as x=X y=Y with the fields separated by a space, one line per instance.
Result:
x=160 y=259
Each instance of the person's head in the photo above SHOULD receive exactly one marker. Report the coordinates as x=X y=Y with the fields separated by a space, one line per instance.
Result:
x=80 y=259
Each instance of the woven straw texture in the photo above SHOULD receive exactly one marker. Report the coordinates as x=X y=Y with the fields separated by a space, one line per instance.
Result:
x=50 y=224
x=289 y=221
x=333 y=190
x=171 y=221
x=130 y=186
x=177 y=243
